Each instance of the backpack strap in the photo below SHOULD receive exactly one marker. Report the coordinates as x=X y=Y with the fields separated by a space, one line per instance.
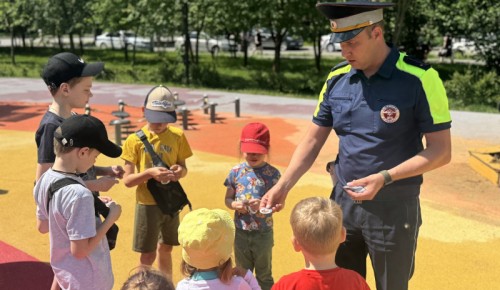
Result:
x=58 y=185
x=156 y=159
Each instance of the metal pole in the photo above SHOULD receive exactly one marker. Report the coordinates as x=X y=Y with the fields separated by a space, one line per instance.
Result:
x=118 y=133
x=184 y=118
x=205 y=104
x=121 y=105
x=237 y=107
x=212 y=112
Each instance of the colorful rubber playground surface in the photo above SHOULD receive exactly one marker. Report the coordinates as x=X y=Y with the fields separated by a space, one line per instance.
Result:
x=459 y=244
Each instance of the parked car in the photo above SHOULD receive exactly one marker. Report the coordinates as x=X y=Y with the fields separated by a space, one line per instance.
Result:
x=463 y=46
x=289 y=43
x=327 y=43
x=205 y=42
x=120 y=38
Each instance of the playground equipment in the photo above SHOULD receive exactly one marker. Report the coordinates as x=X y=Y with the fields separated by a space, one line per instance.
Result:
x=486 y=161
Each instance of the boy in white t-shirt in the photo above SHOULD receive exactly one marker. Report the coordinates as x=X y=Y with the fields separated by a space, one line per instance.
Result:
x=79 y=251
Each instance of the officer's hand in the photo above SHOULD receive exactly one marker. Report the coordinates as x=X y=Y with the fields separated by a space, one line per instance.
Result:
x=274 y=198
x=372 y=185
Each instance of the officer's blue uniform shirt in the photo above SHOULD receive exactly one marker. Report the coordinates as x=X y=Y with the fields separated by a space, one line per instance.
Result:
x=380 y=121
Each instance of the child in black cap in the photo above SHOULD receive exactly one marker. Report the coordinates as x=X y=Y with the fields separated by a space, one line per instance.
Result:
x=79 y=252
x=69 y=80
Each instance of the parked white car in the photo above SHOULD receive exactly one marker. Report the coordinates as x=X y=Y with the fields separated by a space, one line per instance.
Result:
x=120 y=38
x=463 y=46
x=328 y=45
x=205 y=42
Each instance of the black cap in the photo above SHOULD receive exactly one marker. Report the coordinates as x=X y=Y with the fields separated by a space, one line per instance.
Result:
x=86 y=131
x=64 y=66
x=348 y=19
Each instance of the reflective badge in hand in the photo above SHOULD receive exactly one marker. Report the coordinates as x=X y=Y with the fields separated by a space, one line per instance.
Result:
x=357 y=189
x=265 y=210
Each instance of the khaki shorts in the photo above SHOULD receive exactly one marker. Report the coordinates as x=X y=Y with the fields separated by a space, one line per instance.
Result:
x=152 y=227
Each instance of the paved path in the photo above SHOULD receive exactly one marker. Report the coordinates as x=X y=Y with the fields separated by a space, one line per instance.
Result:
x=468 y=125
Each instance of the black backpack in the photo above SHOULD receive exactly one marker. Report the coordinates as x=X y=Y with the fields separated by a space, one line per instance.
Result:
x=100 y=207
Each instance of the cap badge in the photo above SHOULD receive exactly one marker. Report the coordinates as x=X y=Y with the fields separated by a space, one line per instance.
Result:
x=163 y=103
x=333 y=24
x=389 y=114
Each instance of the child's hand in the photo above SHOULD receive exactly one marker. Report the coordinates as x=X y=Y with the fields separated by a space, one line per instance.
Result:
x=253 y=205
x=115 y=210
x=106 y=182
x=117 y=171
x=239 y=207
x=177 y=171
x=103 y=183
x=105 y=199
x=161 y=174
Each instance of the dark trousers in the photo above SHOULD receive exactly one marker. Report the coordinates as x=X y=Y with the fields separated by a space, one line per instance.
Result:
x=387 y=230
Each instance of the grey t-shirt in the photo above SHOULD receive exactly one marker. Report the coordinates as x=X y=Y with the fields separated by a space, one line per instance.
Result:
x=71 y=216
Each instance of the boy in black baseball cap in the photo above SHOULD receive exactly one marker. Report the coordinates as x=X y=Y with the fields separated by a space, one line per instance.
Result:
x=69 y=80
x=79 y=250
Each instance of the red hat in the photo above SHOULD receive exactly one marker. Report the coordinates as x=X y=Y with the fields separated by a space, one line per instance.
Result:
x=255 y=138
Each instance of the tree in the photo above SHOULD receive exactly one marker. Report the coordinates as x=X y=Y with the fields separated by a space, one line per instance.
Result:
x=280 y=17
x=476 y=20
x=314 y=25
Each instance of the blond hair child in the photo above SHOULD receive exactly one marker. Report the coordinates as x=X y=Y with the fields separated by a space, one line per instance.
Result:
x=317 y=233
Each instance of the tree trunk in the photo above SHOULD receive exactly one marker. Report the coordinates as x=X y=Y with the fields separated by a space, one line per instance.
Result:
x=402 y=7
x=245 y=49
x=81 y=43
x=317 y=51
x=59 y=41
x=12 y=50
x=71 y=42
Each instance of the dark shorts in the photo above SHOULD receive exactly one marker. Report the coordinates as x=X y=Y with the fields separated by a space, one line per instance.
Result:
x=152 y=227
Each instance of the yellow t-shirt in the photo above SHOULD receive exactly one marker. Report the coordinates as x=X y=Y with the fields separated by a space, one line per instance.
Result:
x=171 y=145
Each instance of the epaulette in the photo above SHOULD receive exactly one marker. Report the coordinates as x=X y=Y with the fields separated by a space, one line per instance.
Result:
x=416 y=62
x=340 y=65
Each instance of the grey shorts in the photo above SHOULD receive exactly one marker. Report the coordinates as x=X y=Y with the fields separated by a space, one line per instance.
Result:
x=152 y=227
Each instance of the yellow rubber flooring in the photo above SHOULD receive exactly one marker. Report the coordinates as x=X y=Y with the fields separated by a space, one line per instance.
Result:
x=455 y=251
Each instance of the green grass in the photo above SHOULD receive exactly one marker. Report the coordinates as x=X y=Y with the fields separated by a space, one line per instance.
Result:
x=298 y=77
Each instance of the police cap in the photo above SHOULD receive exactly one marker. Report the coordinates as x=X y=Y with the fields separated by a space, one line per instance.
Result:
x=347 y=19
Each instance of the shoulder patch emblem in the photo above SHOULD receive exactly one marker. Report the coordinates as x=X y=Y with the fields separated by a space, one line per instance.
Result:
x=389 y=114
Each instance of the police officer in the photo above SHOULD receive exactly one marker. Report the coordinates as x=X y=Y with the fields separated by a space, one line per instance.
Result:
x=380 y=103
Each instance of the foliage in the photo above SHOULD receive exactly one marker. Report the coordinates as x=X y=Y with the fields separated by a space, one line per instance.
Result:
x=468 y=87
x=471 y=87
x=476 y=20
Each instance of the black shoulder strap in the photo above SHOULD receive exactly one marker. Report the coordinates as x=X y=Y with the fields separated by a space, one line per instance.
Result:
x=58 y=185
x=156 y=159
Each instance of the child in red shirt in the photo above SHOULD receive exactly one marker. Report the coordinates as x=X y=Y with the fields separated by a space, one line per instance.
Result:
x=317 y=232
